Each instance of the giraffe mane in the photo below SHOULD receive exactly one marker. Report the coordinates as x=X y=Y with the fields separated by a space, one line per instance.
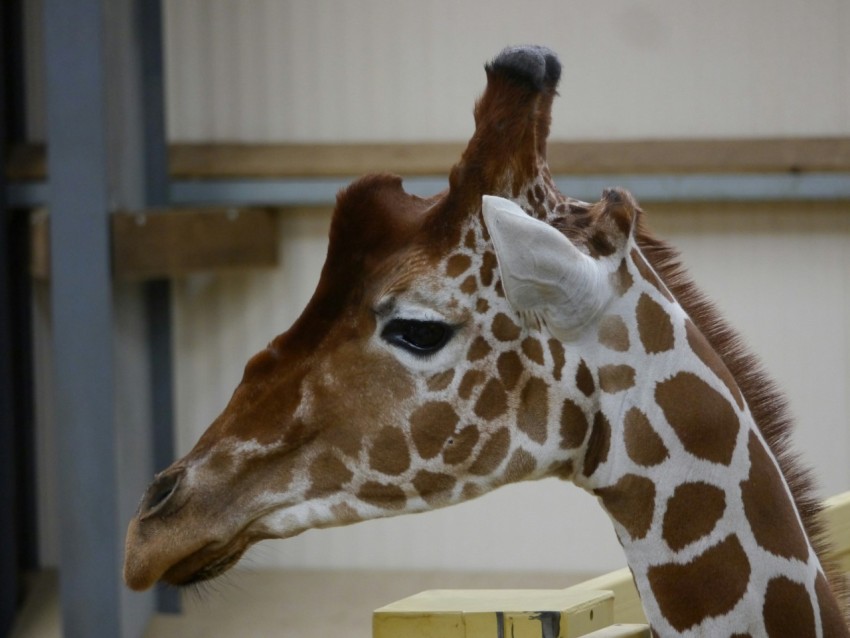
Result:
x=766 y=402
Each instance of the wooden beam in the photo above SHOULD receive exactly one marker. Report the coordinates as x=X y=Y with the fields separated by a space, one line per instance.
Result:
x=177 y=242
x=173 y=243
x=271 y=161
x=217 y=161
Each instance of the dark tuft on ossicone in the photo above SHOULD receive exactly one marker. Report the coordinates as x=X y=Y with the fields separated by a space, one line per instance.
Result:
x=535 y=65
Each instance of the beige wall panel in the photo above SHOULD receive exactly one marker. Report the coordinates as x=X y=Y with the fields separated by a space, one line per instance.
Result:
x=308 y=70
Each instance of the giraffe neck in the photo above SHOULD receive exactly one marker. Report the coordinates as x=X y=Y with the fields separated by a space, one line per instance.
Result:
x=706 y=519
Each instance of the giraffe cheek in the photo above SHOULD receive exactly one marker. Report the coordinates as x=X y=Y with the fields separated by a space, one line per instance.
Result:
x=459 y=447
x=492 y=453
x=388 y=453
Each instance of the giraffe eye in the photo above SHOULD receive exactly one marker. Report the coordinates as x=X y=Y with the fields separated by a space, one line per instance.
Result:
x=417 y=337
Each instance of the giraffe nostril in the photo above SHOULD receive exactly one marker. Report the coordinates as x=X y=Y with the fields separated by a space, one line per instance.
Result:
x=160 y=492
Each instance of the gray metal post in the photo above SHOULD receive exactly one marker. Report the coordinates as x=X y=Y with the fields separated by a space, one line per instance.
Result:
x=101 y=369
x=158 y=292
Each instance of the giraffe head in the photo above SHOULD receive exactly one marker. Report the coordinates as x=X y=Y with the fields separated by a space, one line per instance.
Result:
x=421 y=373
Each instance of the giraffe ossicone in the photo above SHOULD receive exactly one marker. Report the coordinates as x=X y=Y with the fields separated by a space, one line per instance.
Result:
x=498 y=332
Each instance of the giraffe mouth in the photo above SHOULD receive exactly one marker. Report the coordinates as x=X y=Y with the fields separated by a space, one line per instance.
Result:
x=207 y=563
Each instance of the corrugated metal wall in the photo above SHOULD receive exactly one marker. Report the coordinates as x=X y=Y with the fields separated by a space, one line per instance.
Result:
x=368 y=70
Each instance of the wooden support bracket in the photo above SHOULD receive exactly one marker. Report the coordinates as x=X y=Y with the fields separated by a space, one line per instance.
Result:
x=157 y=244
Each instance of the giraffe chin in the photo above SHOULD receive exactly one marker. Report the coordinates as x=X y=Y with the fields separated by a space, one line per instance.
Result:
x=205 y=564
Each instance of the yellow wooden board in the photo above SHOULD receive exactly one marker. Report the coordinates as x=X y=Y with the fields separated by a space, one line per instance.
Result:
x=622 y=631
x=836 y=517
x=627 y=606
x=533 y=613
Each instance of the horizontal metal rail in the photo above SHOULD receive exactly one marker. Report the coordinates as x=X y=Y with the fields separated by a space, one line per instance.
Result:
x=322 y=191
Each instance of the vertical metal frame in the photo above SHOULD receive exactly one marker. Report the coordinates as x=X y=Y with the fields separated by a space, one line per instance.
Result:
x=96 y=164
x=158 y=292
x=8 y=523
x=18 y=551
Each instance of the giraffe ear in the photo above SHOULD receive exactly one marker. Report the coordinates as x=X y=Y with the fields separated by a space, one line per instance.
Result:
x=546 y=279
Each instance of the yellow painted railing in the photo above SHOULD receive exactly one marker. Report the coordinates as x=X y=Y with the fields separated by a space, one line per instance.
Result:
x=603 y=607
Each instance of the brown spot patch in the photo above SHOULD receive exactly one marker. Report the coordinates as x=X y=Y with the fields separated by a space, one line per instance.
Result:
x=488 y=267
x=532 y=349
x=643 y=444
x=469 y=241
x=623 y=278
x=327 y=475
x=460 y=446
x=539 y=195
x=430 y=426
x=574 y=425
x=471 y=491
x=482 y=305
x=457 y=265
x=616 y=378
x=390 y=497
x=493 y=453
x=709 y=585
x=509 y=366
x=584 y=379
x=479 y=349
x=533 y=412
x=601 y=245
x=702 y=418
x=788 y=610
x=441 y=380
x=344 y=513
x=692 y=512
x=654 y=326
x=492 y=402
x=598 y=445
x=830 y=613
x=469 y=285
x=520 y=466
x=630 y=502
x=769 y=510
x=433 y=487
x=701 y=348
x=648 y=274
x=613 y=333
x=471 y=379
x=389 y=453
x=564 y=471
x=556 y=348
x=504 y=329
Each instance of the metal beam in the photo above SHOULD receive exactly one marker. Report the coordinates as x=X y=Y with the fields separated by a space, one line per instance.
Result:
x=94 y=128
x=647 y=188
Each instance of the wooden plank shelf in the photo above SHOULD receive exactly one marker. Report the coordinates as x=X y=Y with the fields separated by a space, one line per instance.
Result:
x=175 y=242
x=221 y=160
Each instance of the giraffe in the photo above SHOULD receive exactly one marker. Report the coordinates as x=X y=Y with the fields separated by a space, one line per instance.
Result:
x=500 y=332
